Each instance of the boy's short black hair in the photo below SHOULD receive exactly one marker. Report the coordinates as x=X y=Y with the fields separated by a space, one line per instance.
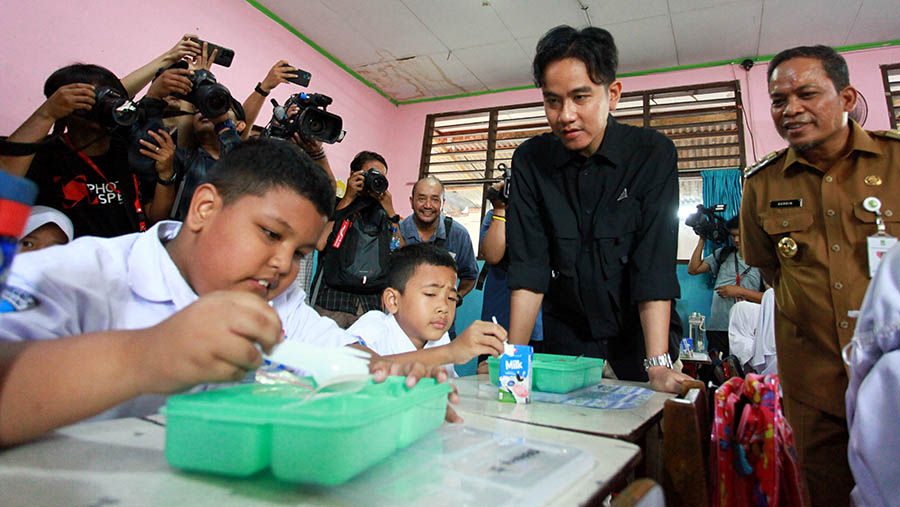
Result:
x=403 y=262
x=364 y=156
x=263 y=163
x=594 y=46
x=733 y=223
x=834 y=64
x=83 y=73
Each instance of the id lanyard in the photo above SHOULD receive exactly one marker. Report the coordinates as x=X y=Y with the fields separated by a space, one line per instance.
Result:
x=880 y=242
x=142 y=221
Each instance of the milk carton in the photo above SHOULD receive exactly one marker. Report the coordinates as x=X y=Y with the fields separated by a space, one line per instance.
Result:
x=515 y=374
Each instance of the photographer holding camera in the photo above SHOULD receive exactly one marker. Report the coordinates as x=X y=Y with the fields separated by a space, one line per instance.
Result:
x=214 y=128
x=735 y=280
x=355 y=245
x=84 y=169
x=492 y=248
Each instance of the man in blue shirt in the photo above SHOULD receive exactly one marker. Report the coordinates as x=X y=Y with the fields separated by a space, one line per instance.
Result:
x=427 y=225
x=735 y=281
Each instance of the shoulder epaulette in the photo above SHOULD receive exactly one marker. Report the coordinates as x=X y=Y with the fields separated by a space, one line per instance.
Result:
x=892 y=134
x=752 y=169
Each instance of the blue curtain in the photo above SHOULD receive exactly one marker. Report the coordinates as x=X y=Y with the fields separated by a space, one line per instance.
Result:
x=722 y=186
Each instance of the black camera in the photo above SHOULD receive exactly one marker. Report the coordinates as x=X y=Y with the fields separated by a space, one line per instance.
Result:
x=374 y=181
x=112 y=109
x=708 y=225
x=312 y=121
x=207 y=95
x=503 y=194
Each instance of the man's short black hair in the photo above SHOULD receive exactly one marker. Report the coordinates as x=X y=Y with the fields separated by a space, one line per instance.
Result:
x=83 y=73
x=364 y=156
x=403 y=262
x=733 y=223
x=834 y=64
x=263 y=163
x=594 y=46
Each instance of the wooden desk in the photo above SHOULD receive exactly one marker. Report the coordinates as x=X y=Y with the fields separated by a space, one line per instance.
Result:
x=640 y=425
x=121 y=462
x=630 y=425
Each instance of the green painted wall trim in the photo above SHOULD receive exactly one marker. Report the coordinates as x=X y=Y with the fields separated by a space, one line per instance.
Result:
x=462 y=95
x=326 y=54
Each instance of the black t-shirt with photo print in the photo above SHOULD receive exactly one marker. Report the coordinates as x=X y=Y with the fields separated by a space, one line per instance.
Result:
x=98 y=204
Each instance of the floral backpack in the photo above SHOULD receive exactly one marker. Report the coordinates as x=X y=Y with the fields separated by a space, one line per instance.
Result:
x=753 y=459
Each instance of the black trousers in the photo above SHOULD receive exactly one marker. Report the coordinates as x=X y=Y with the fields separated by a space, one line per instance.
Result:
x=625 y=353
x=718 y=340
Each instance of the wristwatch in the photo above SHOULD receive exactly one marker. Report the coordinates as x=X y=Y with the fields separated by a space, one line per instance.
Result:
x=169 y=182
x=395 y=219
x=660 y=360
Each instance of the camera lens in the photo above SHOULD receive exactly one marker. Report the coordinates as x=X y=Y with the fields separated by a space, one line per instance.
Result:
x=374 y=181
x=321 y=125
x=111 y=108
x=213 y=100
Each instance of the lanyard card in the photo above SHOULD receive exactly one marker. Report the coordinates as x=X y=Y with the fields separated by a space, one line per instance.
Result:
x=877 y=245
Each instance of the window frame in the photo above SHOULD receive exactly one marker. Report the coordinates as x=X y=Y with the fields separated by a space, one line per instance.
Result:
x=491 y=175
x=889 y=95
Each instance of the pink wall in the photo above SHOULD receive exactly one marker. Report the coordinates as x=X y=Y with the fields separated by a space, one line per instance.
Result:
x=43 y=35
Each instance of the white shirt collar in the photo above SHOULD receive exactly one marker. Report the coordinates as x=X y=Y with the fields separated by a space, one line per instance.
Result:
x=396 y=330
x=152 y=274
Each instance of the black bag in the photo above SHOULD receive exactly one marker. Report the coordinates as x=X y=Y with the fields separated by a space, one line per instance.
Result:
x=355 y=257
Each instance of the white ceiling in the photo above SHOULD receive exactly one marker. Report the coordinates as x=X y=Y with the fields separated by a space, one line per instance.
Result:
x=419 y=49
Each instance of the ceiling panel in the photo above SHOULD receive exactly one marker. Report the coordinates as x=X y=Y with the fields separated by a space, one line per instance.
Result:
x=828 y=24
x=878 y=20
x=460 y=24
x=421 y=77
x=604 y=12
x=330 y=32
x=532 y=18
x=717 y=33
x=413 y=49
x=692 y=5
x=644 y=44
x=497 y=66
x=390 y=24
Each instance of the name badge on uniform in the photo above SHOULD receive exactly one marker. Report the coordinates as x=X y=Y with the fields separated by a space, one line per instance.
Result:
x=786 y=203
x=880 y=242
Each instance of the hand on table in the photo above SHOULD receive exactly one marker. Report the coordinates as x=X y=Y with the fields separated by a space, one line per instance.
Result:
x=666 y=379
x=381 y=368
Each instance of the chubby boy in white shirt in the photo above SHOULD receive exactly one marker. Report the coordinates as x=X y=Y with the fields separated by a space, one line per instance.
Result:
x=420 y=304
x=179 y=305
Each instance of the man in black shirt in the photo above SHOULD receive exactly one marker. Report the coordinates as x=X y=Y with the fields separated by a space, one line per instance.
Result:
x=592 y=220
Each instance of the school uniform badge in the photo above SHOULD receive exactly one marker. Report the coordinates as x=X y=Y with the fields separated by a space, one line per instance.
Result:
x=15 y=299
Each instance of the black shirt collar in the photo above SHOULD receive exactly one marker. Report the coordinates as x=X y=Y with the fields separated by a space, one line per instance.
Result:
x=611 y=148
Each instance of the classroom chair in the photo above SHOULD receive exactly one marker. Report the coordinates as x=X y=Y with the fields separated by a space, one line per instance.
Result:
x=686 y=437
x=641 y=493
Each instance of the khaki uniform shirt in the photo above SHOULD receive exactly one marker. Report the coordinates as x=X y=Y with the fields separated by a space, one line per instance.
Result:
x=828 y=275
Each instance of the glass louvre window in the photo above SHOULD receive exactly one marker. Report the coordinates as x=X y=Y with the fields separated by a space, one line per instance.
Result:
x=464 y=149
x=891 y=76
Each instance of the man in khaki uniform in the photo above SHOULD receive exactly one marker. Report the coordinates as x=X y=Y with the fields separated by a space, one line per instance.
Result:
x=804 y=224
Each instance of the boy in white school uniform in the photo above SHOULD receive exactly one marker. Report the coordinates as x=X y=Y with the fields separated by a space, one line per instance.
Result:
x=420 y=303
x=179 y=305
x=45 y=227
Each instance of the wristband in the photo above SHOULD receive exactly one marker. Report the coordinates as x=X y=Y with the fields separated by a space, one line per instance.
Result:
x=502 y=219
x=260 y=91
x=169 y=182
x=319 y=155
